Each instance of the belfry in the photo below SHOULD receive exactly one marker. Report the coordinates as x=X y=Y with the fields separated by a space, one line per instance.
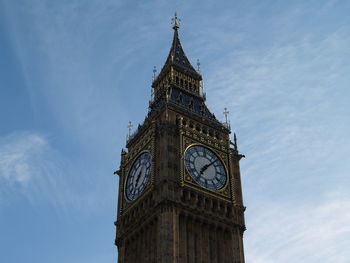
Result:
x=180 y=195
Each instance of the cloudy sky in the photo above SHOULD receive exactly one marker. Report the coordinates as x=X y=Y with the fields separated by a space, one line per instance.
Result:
x=73 y=73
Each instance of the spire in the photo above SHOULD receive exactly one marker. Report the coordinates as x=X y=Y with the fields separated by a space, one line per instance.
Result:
x=177 y=56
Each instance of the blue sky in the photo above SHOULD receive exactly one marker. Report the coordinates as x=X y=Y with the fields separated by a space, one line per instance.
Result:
x=73 y=73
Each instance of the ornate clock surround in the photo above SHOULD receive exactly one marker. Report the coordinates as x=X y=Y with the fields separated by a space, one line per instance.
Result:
x=195 y=131
x=143 y=142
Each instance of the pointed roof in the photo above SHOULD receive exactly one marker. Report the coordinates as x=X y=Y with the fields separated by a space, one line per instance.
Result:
x=177 y=56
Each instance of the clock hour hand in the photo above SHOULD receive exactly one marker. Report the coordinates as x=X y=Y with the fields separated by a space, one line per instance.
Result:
x=205 y=167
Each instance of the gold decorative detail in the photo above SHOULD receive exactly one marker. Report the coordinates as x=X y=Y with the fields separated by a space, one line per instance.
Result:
x=222 y=159
x=213 y=194
x=126 y=178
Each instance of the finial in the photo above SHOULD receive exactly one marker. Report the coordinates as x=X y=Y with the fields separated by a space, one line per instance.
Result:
x=235 y=140
x=227 y=123
x=198 y=66
x=176 y=22
x=154 y=73
x=129 y=128
x=226 y=113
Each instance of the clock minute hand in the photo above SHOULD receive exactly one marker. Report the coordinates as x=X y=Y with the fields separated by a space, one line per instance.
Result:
x=138 y=177
x=205 y=167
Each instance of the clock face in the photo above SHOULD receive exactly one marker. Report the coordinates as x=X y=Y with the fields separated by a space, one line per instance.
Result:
x=205 y=167
x=138 y=176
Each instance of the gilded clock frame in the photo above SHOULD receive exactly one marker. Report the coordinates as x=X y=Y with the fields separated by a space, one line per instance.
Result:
x=148 y=146
x=128 y=174
x=218 y=155
x=186 y=179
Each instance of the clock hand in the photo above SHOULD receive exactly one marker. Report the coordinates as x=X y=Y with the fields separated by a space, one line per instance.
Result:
x=138 y=178
x=205 y=167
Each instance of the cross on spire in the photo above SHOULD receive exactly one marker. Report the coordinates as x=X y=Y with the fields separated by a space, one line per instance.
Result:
x=177 y=56
x=176 y=21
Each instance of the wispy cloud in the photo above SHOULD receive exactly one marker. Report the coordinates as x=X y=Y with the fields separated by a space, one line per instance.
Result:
x=32 y=169
x=286 y=109
x=288 y=106
x=300 y=232
x=19 y=157
x=76 y=89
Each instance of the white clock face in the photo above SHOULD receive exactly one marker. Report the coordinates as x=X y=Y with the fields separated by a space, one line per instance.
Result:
x=205 y=167
x=138 y=176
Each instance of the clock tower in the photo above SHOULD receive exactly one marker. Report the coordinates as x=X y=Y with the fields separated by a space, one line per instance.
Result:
x=180 y=195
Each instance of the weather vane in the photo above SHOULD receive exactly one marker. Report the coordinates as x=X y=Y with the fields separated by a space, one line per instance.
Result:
x=176 y=21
